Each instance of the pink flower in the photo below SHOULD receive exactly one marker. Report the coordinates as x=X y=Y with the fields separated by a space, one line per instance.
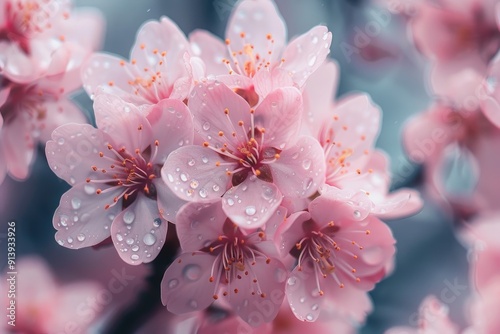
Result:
x=433 y=319
x=44 y=306
x=30 y=113
x=347 y=131
x=114 y=171
x=159 y=67
x=254 y=59
x=45 y=37
x=250 y=157
x=339 y=258
x=484 y=309
x=221 y=261
x=454 y=145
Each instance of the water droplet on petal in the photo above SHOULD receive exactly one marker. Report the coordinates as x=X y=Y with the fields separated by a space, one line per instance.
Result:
x=60 y=141
x=215 y=187
x=280 y=275
x=292 y=281
x=173 y=283
x=135 y=248
x=312 y=59
x=183 y=177
x=195 y=224
x=170 y=178
x=191 y=162
x=206 y=126
x=194 y=184
x=314 y=40
x=230 y=202
x=80 y=237
x=307 y=183
x=309 y=317
x=76 y=203
x=192 y=272
x=60 y=242
x=315 y=307
x=302 y=299
x=157 y=222
x=128 y=217
x=193 y=304
x=306 y=164
x=204 y=160
x=202 y=193
x=357 y=214
x=134 y=257
x=149 y=239
x=89 y=189
x=70 y=240
x=130 y=241
x=64 y=220
x=119 y=237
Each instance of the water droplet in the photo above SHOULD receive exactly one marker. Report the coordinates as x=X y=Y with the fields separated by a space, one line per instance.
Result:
x=135 y=248
x=215 y=187
x=302 y=300
x=195 y=224
x=80 y=237
x=194 y=184
x=128 y=217
x=357 y=214
x=170 y=178
x=89 y=189
x=306 y=164
x=183 y=177
x=70 y=240
x=173 y=283
x=130 y=241
x=315 y=307
x=200 y=237
x=191 y=162
x=307 y=183
x=274 y=104
x=60 y=242
x=193 y=304
x=202 y=193
x=230 y=202
x=292 y=281
x=171 y=109
x=309 y=317
x=314 y=40
x=64 y=220
x=134 y=257
x=60 y=141
x=157 y=222
x=119 y=237
x=149 y=239
x=250 y=210
x=192 y=272
x=312 y=59
x=181 y=142
x=268 y=193
x=206 y=126
x=280 y=275
x=204 y=160
x=76 y=203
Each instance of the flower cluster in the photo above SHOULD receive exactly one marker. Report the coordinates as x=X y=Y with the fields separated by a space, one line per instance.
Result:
x=274 y=189
x=42 y=48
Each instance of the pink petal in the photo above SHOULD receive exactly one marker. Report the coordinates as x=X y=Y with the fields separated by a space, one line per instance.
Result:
x=355 y=203
x=290 y=232
x=280 y=115
x=264 y=304
x=209 y=48
x=81 y=219
x=299 y=171
x=274 y=223
x=491 y=109
x=112 y=75
x=192 y=174
x=138 y=231
x=59 y=112
x=185 y=286
x=74 y=149
x=302 y=292
x=251 y=203
x=398 y=204
x=172 y=126
x=123 y=122
x=199 y=224
x=168 y=203
x=208 y=103
x=350 y=302
x=319 y=93
x=92 y=37
x=267 y=81
x=18 y=146
x=354 y=127
x=161 y=36
x=257 y=20
x=306 y=53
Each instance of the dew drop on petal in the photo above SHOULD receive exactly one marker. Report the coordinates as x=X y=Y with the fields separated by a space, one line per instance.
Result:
x=149 y=239
x=183 y=177
x=119 y=237
x=130 y=241
x=191 y=162
x=157 y=222
x=173 y=283
x=292 y=280
x=128 y=217
x=202 y=193
x=89 y=189
x=204 y=160
x=134 y=257
x=60 y=242
x=315 y=307
x=170 y=178
x=64 y=220
x=193 y=304
x=357 y=214
x=309 y=317
x=307 y=183
x=206 y=126
x=70 y=240
x=76 y=203
x=194 y=184
x=312 y=59
x=135 y=248
x=60 y=141
x=302 y=299
x=215 y=188
x=250 y=210
x=195 y=224
x=306 y=164
x=80 y=237
x=192 y=272
x=230 y=202
x=280 y=275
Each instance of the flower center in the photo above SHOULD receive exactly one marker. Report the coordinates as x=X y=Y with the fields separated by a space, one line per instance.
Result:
x=235 y=258
x=131 y=172
x=327 y=253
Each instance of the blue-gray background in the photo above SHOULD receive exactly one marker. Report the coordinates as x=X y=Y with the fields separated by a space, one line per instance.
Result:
x=429 y=257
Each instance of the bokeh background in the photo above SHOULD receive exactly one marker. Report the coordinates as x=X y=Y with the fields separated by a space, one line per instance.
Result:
x=429 y=258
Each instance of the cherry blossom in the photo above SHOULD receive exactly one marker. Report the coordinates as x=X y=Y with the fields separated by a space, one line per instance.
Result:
x=159 y=67
x=45 y=306
x=220 y=261
x=340 y=257
x=44 y=38
x=433 y=319
x=250 y=157
x=115 y=173
x=254 y=59
x=347 y=131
